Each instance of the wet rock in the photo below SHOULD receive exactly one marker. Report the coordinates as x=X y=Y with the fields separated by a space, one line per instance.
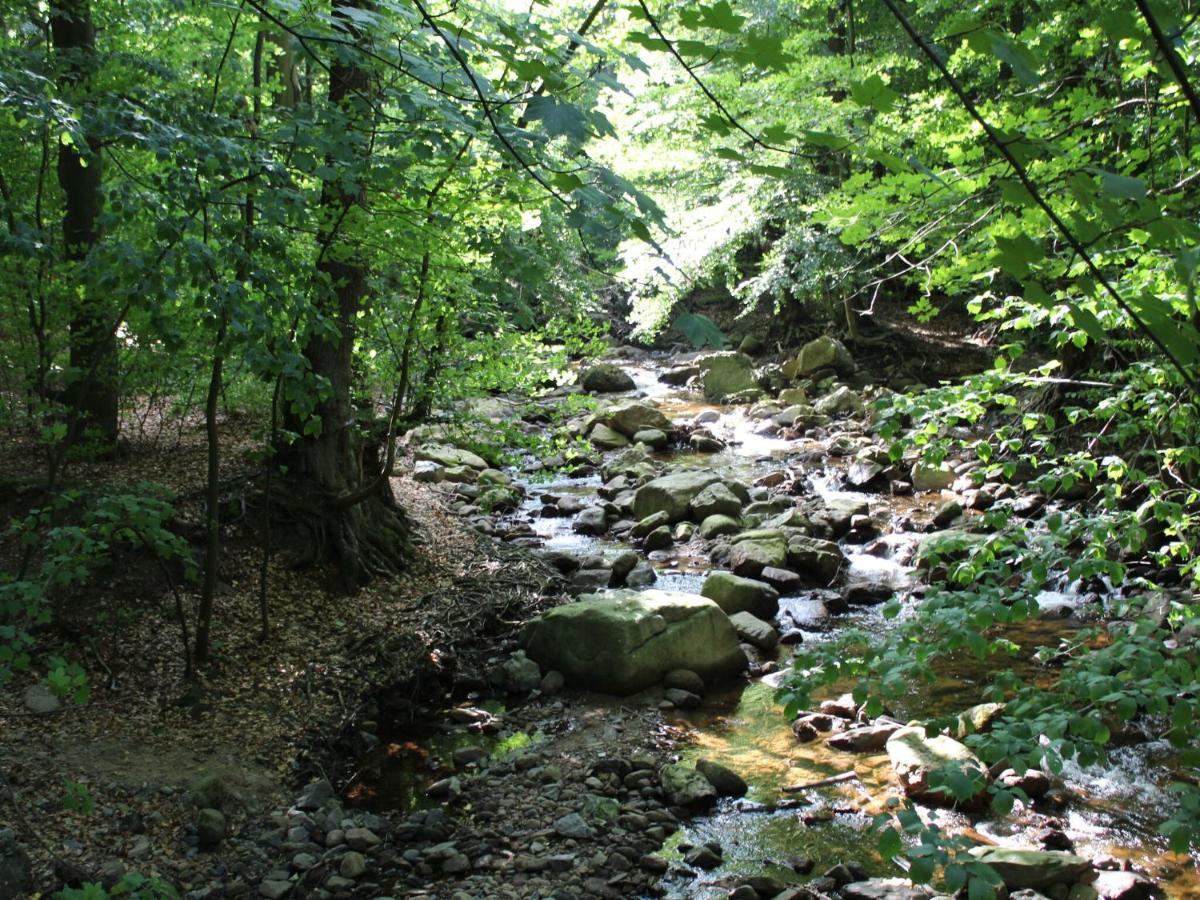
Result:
x=681 y=699
x=1036 y=869
x=703 y=442
x=684 y=680
x=837 y=513
x=210 y=827
x=947 y=513
x=785 y=581
x=703 y=857
x=273 y=889
x=841 y=401
x=868 y=594
x=572 y=825
x=521 y=674
x=743 y=892
x=658 y=539
x=634 y=417
x=1034 y=782
x=649 y=523
x=715 y=500
x=671 y=494
x=652 y=437
x=606 y=378
x=623 y=641
x=726 y=374
x=683 y=532
x=931 y=478
x=353 y=865
x=655 y=865
x=643 y=574
x=884 y=889
x=622 y=564
x=819 y=560
x=606 y=438
x=1125 y=886
x=755 y=631
x=587 y=581
x=843 y=707
x=822 y=353
x=684 y=786
x=678 y=375
x=978 y=718
x=735 y=594
x=16 y=870
x=915 y=757
x=591 y=521
x=868 y=739
x=750 y=557
x=445 y=455
x=361 y=839
x=716 y=526
x=726 y=782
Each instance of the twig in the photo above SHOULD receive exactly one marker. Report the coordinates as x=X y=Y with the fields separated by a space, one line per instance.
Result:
x=822 y=782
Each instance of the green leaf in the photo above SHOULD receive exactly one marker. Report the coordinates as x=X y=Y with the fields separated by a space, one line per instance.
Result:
x=890 y=843
x=721 y=17
x=1019 y=58
x=874 y=93
x=1121 y=187
x=700 y=330
x=559 y=119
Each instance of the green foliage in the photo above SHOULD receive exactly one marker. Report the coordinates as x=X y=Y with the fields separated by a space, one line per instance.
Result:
x=77 y=798
x=132 y=885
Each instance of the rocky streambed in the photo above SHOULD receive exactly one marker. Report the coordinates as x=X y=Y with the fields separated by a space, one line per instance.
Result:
x=629 y=743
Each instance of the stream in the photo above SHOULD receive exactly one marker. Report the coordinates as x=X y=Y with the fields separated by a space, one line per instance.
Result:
x=1111 y=809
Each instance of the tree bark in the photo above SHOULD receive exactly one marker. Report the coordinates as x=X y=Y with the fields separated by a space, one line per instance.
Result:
x=92 y=393
x=365 y=536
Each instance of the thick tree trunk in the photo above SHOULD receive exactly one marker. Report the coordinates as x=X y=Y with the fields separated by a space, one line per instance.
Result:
x=92 y=393
x=365 y=535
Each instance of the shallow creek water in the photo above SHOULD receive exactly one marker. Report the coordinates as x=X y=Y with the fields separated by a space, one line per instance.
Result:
x=1114 y=809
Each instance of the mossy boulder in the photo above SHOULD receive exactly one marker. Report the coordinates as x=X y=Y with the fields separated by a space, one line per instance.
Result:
x=623 y=641
x=606 y=378
x=735 y=594
x=671 y=494
x=726 y=375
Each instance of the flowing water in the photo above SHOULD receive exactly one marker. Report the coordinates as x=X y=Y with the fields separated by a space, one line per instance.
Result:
x=1115 y=807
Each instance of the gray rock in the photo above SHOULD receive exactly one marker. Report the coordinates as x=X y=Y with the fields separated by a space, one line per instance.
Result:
x=842 y=400
x=16 y=870
x=634 y=417
x=703 y=857
x=650 y=523
x=715 y=500
x=884 y=889
x=623 y=641
x=684 y=786
x=607 y=438
x=1036 y=869
x=40 y=700
x=552 y=683
x=449 y=457
x=521 y=674
x=726 y=374
x=671 y=494
x=702 y=442
x=784 y=581
x=361 y=839
x=684 y=680
x=868 y=739
x=653 y=437
x=572 y=825
x=353 y=865
x=823 y=353
x=210 y=827
x=606 y=378
x=755 y=631
x=715 y=526
x=819 y=560
x=659 y=539
x=726 y=782
x=1124 y=886
x=915 y=757
x=681 y=698
x=274 y=889
x=735 y=594
x=931 y=478
x=643 y=574
x=591 y=521
x=750 y=557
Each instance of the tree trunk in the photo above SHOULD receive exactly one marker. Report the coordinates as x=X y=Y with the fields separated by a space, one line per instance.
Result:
x=365 y=536
x=92 y=393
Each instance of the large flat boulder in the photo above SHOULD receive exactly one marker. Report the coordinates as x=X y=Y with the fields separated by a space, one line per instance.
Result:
x=671 y=494
x=916 y=757
x=445 y=455
x=725 y=374
x=623 y=641
x=1034 y=869
x=823 y=353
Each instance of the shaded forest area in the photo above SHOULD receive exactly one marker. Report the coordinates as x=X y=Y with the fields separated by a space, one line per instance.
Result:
x=346 y=346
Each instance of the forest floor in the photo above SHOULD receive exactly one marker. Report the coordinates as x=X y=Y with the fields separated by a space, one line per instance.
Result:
x=266 y=714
